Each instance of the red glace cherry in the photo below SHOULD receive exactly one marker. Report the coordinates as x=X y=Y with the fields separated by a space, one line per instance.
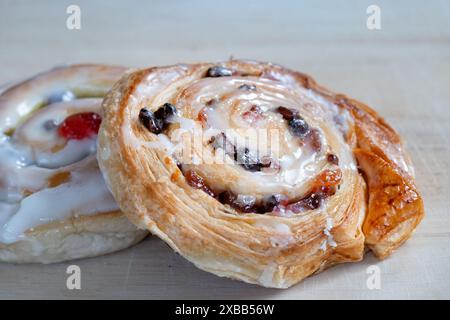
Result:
x=80 y=126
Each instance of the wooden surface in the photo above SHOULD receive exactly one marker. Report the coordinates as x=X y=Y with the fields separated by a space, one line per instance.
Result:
x=402 y=70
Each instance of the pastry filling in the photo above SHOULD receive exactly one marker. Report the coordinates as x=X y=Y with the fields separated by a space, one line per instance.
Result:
x=325 y=186
x=79 y=126
x=298 y=177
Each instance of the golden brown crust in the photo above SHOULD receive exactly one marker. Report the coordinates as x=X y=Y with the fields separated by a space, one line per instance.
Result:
x=395 y=207
x=269 y=250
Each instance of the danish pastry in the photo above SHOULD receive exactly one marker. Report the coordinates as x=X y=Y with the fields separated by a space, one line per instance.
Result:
x=255 y=172
x=54 y=204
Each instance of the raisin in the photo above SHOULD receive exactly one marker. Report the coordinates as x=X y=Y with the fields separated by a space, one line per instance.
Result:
x=287 y=114
x=333 y=159
x=197 y=182
x=298 y=126
x=211 y=102
x=247 y=206
x=165 y=111
x=227 y=197
x=150 y=121
x=157 y=121
x=218 y=71
x=247 y=87
x=313 y=201
x=313 y=138
x=270 y=203
x=310 y=202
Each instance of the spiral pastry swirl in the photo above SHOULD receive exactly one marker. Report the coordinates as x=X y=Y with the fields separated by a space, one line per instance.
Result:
x=54 y=204
x=255 y=172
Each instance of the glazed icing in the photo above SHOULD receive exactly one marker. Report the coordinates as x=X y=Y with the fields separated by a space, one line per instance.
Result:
x=226 y=108
x=45 y=178
x=207 y=107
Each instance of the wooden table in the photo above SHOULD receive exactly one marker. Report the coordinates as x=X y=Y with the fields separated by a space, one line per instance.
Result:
x=402 y=70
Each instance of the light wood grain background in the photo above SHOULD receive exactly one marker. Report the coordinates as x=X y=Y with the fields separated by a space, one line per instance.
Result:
x=402 y=70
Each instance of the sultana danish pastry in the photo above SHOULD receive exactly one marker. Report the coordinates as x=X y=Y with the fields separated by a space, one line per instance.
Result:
x=54 y=204
x=255 y=172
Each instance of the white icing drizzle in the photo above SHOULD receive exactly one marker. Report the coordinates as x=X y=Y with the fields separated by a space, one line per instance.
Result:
x=327 y=231
x=226 y=112
x=267 y=275
x=73 y=151
x=230 y=110
x=85 y=194
x=32 y=157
